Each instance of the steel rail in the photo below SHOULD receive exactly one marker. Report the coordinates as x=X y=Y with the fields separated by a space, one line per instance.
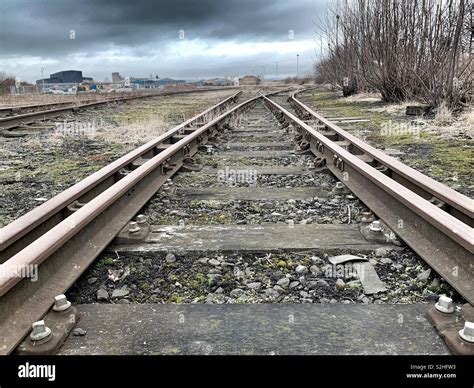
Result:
x=100 y=97
x=458 y=205
x=28 y=118
x=443 y=241
x=67 y=249
x=19 y=233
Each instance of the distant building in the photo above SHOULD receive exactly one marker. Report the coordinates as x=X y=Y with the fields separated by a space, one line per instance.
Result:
x=65 y=77
x=249 y=80
x=149 y=83
x=116 y=77
x=217 y=82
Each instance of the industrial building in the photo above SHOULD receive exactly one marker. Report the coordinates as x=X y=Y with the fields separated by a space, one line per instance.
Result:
x=249 y=80
x=116 y=77
x=65 y=77
x=149 y=83
x=217 y=82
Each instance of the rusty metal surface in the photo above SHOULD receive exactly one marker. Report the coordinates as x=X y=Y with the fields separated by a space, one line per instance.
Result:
x=448 y=326
x=419 y=183
x=48 y=214
x=443 y=241
x=67 y=249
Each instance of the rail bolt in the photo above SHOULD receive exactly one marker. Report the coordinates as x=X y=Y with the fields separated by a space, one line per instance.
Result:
x=445 y=305
x=375 y=226
x=133 y=227
x=61 y=303
x=467 y=333
x=40 y=331
x=141 y=219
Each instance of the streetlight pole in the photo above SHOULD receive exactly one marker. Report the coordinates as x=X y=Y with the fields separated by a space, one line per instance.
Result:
x=42 y=79
x=276 y=63
x=297 y=64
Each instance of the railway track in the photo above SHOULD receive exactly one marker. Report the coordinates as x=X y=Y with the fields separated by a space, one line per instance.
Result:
x=15 y=116
x=433 y=219
x=66 y=234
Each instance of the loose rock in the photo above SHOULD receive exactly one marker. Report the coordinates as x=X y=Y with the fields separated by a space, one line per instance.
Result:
x=170 y=258
x=284 y=282
x=102 y=295
x=423 y=276
x=301 y=269
x=340 y=285
x=78 y=332
x=120 y=293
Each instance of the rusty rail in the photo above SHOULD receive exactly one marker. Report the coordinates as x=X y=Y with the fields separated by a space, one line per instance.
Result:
x=64 y=249
x=444 y=197
x=11 y=122
x=444 y=241
x=19 y=233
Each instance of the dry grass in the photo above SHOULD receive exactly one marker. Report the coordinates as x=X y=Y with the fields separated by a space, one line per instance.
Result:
x=30 y=99
x=444 y=115
x=132 y=134
x=398 y=109
x=364 y=97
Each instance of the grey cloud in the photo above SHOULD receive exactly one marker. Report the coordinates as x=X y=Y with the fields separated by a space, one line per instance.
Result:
x=41 y=28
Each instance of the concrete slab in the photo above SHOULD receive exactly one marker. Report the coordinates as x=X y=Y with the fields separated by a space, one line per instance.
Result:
x=289 y=329
x=250 y=193
x=341 y=259
x=367 y=275
x=265 y=237
x=369 y=279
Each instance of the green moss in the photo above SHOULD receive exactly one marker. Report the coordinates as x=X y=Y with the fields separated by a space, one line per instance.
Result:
x=173 y=278
x=175 y=299
x=200 y=278
x=107 y=261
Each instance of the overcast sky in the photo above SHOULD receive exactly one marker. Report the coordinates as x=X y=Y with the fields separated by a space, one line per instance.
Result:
x=170 y=38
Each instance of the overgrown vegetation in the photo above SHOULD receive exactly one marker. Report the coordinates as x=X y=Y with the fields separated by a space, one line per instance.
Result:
x=5 y=82
x=403 y=49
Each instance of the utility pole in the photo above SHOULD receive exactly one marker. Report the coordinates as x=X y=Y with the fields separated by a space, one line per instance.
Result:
x=263 y=78
x=276 y=63
x=42 y=79
x=297 y=64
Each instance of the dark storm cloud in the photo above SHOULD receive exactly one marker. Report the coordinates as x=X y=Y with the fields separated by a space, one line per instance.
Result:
x=141 y=37
x=36 y=27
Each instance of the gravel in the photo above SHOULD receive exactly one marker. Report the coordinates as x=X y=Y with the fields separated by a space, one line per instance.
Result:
x=254 y=278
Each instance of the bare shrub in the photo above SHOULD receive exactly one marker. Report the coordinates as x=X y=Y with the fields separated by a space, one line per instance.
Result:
x=404 y=49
